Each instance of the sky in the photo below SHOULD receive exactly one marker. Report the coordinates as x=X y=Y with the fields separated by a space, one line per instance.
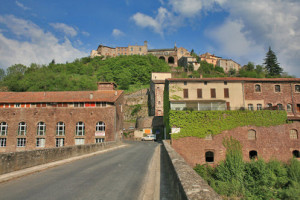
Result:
x=34 y=31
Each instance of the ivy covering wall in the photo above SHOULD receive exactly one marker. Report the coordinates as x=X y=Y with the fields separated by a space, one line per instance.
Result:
x=201 y=123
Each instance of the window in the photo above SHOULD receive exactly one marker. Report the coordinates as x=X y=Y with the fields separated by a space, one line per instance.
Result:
x=81 y=104
x=184 y=82
x=185 y=93
x=100 y=126
x=213 y=93
x=297 y=88
x=17 y=105
x=253 y=154
x=226 y=93
x=21 y=142
x=59 y=142
x=225 y=82
x=205 y=82
x=79 y=141
x=251 y=134
x=259 y=107
x=41 y=128
x=277 y=88
x=269 y=105
x=250 y=106
x=158 y=102
x=199 y=93
x=22 y=128
x=296 y=154
x=293 y=134
x=99 y=140
x=257 y=88
x=209 y=156
x=131 y=49
x=100 y=104
x=140 y=49
x=289 y=107
x=40 y=142
x=2 y=142
x=3 y=128
x=60 y=129
x=80 y=129
x=279 y=106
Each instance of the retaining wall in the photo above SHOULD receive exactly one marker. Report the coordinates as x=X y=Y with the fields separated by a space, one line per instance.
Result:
x=185 y=181
x=14 y=161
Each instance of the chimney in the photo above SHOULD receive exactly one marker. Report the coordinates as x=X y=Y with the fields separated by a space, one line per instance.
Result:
x=91 y=96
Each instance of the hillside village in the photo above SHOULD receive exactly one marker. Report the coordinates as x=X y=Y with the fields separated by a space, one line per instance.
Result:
x=195 y=101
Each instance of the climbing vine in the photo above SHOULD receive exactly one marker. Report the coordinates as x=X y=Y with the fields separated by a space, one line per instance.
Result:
x=202 y=123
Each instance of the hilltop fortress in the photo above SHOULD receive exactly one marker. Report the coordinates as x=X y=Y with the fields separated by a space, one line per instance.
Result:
x=171 y=55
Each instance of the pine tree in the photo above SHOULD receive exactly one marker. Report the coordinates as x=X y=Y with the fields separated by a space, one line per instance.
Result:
x=271 y=64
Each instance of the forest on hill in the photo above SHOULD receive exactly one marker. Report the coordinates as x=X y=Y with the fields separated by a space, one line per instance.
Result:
x=82 y=74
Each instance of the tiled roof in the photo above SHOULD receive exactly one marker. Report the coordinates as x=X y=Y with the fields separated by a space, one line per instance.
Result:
x=236 y=79
x=69 y=96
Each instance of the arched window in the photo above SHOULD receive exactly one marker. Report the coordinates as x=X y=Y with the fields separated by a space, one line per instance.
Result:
x=296 y=154
x=171 y=60
x=3 y=128
x=259 y=107
x=60 y=129
x=251 y=134
x=22 y=128
x=289 y=107
x=269 y=105
x=279 y=106
x=100 y=127
x=250 y=106
x=277 y=88
x=253 y=154
x=209 y=156
x=80 y=129
x=293 y=134
x=41 y=128
x=162 y=58
x=257 y=88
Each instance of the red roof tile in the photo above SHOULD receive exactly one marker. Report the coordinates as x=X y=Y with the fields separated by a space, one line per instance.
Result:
x=69 y=96
x=237 y=79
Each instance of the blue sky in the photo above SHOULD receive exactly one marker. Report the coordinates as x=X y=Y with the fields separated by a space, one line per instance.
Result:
x=34 y=31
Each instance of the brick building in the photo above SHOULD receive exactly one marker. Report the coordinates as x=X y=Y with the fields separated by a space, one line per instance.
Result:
x=33 y=120
x=232 y=93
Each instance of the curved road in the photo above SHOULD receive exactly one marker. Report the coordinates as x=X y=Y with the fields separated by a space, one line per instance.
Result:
x=116 y=174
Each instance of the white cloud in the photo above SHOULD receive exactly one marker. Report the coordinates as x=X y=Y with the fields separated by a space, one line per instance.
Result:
x=85 y=33
x=117 y=33
x=22 y=6
x=163 y=20
x=36 y=46
x=68 y=30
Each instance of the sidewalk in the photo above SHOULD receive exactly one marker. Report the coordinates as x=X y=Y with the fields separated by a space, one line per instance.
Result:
x=38 y=168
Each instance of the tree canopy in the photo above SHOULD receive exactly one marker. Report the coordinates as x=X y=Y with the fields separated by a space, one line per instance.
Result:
x=83 y=74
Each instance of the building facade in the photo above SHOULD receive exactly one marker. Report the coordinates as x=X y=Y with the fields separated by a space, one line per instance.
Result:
x=34 y=120
x=210 y=58
x=228 y=64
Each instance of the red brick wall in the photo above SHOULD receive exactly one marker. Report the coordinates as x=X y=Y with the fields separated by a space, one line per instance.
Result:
x=271 y=142
x=269 y=95
x=70 y=116
x=159 y=99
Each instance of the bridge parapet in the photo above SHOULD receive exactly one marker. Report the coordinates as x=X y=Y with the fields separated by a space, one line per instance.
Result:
x=186 y=182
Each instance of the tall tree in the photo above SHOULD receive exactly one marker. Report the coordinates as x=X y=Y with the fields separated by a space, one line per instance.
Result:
x=271 y=64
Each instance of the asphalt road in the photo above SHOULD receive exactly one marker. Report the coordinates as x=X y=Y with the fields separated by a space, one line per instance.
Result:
x=117 y=174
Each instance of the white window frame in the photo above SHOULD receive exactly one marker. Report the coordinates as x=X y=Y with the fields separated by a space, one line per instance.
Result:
x=22 y=128
x=250 y=106
x=21 y=142
x=60 y=132
x=59 y=142
x=2 y=142
x=297 y=88
x=80 y=129
x=3 y=128
x=100 y=126
x=289 y=107
x=41 y=128
x=259 y=106
x=79 y=141
x=40 y=142
x=99 y=140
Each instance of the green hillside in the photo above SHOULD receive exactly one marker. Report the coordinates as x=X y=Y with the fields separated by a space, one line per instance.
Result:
x=126 y=71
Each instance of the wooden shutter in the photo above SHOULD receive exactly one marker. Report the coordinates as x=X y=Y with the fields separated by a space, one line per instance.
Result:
x=213 y=93
x=226 y=93
x=199 y=93
x=185 y=93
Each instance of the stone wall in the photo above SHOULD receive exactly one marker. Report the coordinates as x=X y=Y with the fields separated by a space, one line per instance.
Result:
x=185 y=182
x=14 y=161
x=270 y=143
